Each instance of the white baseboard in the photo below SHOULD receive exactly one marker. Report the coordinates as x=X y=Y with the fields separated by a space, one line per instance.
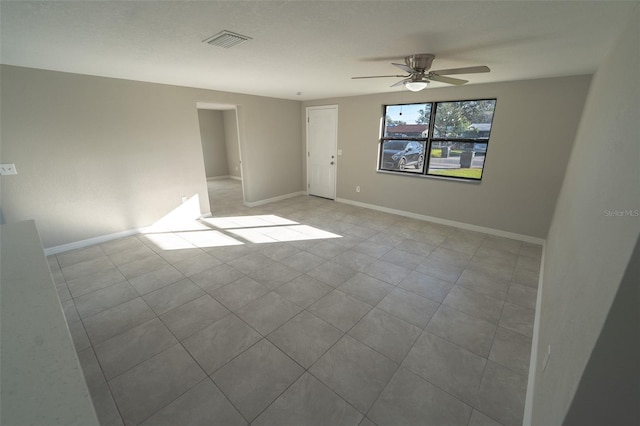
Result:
x=224 y=177
x=90 y=241
x=533 y=360
x=497 y=232
x=100 y=239
x=271 y=200
x=470 y=227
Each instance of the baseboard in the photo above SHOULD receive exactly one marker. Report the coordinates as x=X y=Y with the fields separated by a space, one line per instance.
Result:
x=533 y=361
x=90 y=241
x=224 y=177
x=470 y=227
x=104 y=238
x=274 y=199
x=100 y=239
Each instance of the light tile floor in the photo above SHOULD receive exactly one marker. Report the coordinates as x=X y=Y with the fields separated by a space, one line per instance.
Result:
x=303 y=312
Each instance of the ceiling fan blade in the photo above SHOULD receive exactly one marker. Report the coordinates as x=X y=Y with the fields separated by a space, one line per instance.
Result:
x=379 y=76
x=467 y=70
x=405 y=68
x=401 y=82
x=448 y=80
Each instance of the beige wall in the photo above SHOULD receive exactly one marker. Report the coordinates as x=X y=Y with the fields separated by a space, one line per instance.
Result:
x=587 y=252
x=214 y=147
x=271 y=164
x=533 y=130
x=231 y=140
x=97 y=156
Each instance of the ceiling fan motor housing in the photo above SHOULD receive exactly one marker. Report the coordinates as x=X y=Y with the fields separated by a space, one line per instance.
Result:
x=420 y=62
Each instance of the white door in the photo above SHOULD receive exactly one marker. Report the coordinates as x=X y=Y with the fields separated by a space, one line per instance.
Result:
x=322 y=143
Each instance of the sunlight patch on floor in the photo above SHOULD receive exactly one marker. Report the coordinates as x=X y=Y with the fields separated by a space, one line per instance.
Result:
x=233 y=222
x=182 y=228
x=168 y=241
x=282 y=234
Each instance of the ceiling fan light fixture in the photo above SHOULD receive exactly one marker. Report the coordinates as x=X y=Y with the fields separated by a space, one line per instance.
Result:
x=415 y=86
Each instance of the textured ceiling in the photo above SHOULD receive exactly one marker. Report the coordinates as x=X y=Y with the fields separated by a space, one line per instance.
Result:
x=309 y=47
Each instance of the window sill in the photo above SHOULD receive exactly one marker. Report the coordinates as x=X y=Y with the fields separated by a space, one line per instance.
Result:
x=419 y=175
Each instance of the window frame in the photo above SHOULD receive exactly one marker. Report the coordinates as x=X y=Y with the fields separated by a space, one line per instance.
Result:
x=429 y=141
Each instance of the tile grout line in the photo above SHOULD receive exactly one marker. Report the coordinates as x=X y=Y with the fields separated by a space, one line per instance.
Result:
x=396 y=285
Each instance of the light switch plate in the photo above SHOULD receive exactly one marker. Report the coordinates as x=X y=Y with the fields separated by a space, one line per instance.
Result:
x=8 y=169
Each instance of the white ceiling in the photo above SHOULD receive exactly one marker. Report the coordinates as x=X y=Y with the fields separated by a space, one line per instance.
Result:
x=309 y=47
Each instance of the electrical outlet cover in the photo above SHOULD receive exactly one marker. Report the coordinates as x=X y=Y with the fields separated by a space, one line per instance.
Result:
x=8 y=169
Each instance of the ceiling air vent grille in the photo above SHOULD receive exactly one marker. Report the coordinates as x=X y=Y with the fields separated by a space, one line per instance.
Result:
x=226 y=39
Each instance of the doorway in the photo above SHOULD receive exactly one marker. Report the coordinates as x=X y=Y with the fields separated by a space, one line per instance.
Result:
x=322 y=145
x=219 y=135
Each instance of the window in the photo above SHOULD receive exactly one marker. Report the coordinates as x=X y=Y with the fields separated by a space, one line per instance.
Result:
x=437 y=138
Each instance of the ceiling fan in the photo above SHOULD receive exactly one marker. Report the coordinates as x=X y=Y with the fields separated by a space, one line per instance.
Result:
x=418 y=67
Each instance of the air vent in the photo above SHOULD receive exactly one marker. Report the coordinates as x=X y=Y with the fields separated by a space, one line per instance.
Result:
x=226 y=39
